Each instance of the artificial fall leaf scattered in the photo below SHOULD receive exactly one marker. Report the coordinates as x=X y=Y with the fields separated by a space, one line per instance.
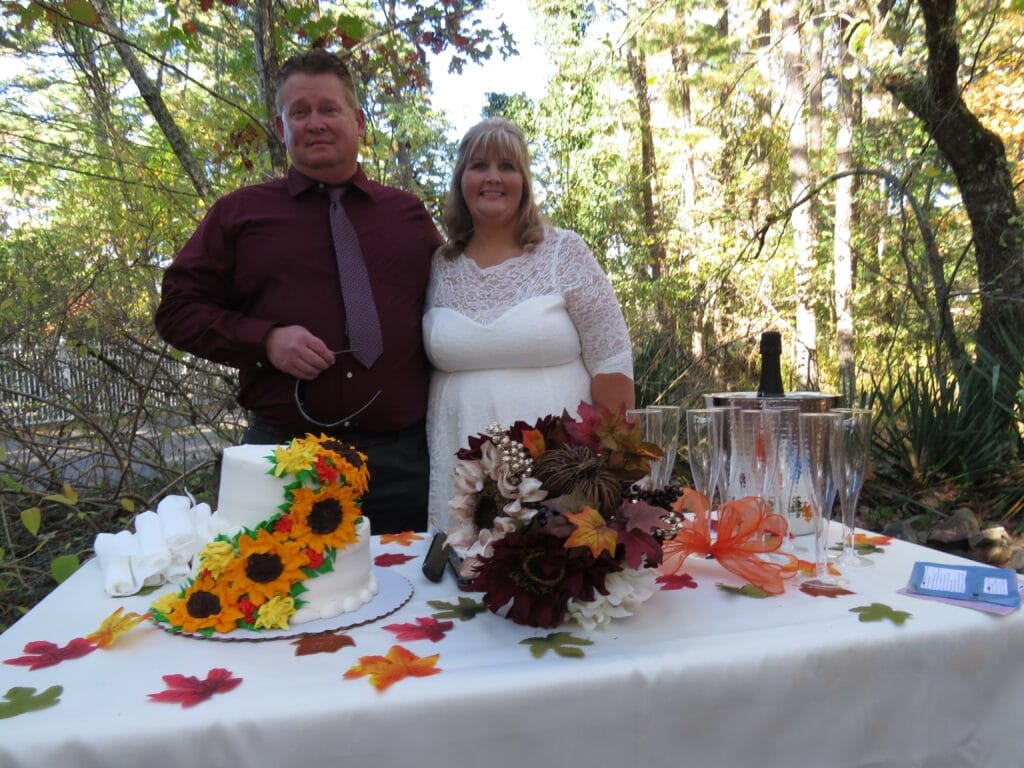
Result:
x=464 y=610
x=405 y=538
x=189 y=691
x=676 y=581
x=115 y=625
x=823 y=590
x=18 y=701
x=808 y=568
x=562 y=643
x=388 y=559
x=322 y=642
x=591 y=532
x=40 y=653
x=880 y=612
x=424 y=629
x=747 y=590
x=400 y=663
x=872 y=540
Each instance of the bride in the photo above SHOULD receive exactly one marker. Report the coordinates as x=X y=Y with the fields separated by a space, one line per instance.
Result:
x=520 y=320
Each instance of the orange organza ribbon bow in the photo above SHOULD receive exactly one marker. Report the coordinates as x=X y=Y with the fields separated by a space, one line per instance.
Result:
x=746 y=530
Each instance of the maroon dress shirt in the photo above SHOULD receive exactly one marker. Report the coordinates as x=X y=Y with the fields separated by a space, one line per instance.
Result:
x=263 y=257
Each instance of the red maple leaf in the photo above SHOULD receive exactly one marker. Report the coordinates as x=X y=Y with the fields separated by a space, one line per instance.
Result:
x=677 y=581
x=189 y=691
x=41 y=653
x=424 y=629
x=389 y=559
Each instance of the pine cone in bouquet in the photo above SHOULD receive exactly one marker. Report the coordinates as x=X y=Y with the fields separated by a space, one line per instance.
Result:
x=578 y=470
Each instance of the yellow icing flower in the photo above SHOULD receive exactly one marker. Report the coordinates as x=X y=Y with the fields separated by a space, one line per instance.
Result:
x=165 y=603
x=274 y=613
x=266 y=566
x=297 y=457
x=216 y=556
x=324 y=518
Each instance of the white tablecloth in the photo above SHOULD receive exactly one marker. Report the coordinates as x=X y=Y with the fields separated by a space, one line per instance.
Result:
x=700 y=677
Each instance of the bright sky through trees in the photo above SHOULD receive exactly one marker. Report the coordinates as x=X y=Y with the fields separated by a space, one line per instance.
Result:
x=462 y=96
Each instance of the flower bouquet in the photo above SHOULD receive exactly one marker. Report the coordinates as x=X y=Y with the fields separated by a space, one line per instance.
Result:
x=547 y=524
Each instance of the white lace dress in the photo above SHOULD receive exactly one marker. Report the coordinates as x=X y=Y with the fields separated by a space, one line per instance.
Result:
x=515 y=341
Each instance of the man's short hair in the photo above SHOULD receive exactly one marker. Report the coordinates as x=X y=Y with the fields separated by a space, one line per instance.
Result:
x=317 y=61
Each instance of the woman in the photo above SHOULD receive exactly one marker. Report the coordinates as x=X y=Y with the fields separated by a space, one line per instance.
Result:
x=520 y=320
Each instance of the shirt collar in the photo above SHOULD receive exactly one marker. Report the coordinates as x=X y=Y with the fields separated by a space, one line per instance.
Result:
x=298 y=182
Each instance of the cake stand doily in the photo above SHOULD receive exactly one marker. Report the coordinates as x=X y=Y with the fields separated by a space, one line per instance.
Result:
x=394 y=592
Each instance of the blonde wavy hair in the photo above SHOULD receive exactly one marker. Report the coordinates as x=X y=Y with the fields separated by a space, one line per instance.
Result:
x=505 y=139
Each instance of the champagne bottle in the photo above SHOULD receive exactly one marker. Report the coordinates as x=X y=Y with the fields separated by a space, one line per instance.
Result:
x=771 y=369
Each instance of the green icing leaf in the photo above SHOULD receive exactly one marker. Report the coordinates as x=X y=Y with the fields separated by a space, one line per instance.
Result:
x=563 y=643
x=747 y=590
x=18 y=701
x=879 y=612
x=464 y=610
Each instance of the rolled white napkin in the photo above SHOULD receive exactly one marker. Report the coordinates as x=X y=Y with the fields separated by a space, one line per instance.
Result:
x=154 y=556
x=114 y=552
x=209 y=525
x=176 y=522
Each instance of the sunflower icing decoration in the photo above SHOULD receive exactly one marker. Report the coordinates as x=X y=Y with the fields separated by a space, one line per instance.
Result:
x=254 y=579
x=545 y=523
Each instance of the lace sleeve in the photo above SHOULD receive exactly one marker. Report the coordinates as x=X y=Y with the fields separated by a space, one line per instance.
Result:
x=593 y=307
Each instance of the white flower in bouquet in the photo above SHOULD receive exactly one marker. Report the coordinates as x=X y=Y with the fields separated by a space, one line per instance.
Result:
x=628 y=589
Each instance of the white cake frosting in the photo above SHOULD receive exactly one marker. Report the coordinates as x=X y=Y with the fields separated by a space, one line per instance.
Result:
x=249 y=494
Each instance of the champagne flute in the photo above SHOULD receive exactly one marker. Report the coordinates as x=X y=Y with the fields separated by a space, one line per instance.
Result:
x=650 y=422
x=730 y=433
x=851 y=446
x=816 y=466
x=704 y=445
x=786 y=465
x=670 y=432
x=753 y=457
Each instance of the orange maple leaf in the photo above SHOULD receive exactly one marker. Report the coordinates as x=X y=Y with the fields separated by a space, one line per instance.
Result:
x=591 y=532
x=874 y=541
x=533 y=441
x=114 y=626
x=808 y=568
x=385 y=671
x=405 y=538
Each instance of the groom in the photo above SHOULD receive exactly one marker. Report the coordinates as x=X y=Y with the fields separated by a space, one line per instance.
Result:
x=257 y=288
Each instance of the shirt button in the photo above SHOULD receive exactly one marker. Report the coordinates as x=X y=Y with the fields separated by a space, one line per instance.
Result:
x=348 y=375
x=259 y=364
x=348 y=423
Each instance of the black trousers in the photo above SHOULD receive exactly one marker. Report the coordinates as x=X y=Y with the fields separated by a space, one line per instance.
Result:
x=399 y=472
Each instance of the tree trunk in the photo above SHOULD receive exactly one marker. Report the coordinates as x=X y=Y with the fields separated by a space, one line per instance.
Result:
x=637 y=64
x=842 y=253
x=978 y=159
x=800 y=181
x=267 y=64
x=151 y=95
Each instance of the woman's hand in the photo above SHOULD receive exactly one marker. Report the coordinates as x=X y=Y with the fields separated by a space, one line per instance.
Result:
x=613 y=390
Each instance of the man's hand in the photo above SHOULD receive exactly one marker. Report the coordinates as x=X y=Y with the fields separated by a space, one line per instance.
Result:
x=297 y=352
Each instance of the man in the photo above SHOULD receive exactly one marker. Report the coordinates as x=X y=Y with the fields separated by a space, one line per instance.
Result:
x=257 y=288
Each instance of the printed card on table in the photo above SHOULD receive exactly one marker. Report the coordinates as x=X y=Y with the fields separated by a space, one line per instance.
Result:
x=975 y=583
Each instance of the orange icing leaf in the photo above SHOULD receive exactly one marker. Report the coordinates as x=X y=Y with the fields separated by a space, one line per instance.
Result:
x=385 y=671
x=405 y=538
x=591 y=532
x=114 y=626
x=746 y=530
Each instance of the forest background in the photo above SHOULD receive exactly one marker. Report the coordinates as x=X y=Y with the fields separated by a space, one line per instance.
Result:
x=845 y=173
